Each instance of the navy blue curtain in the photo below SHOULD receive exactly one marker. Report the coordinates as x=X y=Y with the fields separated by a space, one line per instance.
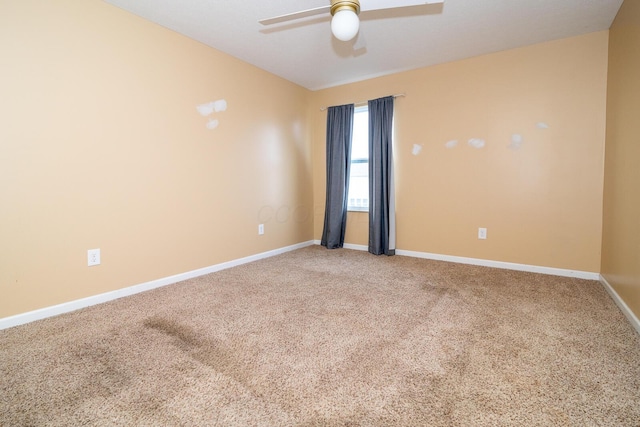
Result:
x=382 y=221
x=339 y=134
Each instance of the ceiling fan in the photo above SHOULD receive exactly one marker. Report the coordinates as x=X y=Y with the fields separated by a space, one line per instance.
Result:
x=345 y=22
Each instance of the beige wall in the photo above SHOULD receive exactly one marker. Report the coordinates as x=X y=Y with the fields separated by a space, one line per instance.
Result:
x=101 y=147
x=542 y=203
x=621 y=230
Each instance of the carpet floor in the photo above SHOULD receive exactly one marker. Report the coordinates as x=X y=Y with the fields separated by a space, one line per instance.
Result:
x=332 y=338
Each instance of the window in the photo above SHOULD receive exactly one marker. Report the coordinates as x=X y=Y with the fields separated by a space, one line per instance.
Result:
x=359 y=175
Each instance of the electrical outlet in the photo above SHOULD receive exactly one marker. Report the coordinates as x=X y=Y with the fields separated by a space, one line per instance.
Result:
x=261 y=229
x=93 y=257
x=482 y=233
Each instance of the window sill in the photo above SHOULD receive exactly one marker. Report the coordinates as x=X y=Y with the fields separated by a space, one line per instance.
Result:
x=357 y=209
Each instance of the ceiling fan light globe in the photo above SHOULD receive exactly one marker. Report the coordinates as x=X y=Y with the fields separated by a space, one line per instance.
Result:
x=345 y=25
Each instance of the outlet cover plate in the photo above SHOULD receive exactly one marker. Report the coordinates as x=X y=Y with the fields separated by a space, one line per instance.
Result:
x=482 y=233
x=93 y=257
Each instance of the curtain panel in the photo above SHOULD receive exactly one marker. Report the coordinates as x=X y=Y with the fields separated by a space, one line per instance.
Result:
x=339 y=134
x=382 y=219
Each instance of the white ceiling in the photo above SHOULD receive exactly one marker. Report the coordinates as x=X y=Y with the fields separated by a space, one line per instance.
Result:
x=305 y=52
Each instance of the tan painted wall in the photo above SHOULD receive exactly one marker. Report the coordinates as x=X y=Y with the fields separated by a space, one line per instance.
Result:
x=101 y=146
x=542 y=204
x=621 y=230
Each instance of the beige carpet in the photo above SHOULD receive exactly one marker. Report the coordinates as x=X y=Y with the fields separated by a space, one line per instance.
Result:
x=332 y=338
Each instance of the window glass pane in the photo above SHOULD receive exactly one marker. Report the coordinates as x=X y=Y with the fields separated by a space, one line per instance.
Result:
x=360 y=144
x=359 y=176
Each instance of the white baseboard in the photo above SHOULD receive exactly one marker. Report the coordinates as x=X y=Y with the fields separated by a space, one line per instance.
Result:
x=621 y=304
x=486 y=263
x=503 y=265
x=356 y=247
x=347 y=246
x=55 y=310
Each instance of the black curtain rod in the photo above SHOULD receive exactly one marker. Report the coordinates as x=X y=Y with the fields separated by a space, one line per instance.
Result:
x=364 y=102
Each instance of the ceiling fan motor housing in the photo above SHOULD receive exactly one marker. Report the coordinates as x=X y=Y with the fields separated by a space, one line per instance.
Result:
x=337 y=5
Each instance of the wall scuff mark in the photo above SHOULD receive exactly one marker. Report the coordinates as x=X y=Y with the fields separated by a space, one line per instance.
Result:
x=516 y=141
x=211 y=107
x=477 y=143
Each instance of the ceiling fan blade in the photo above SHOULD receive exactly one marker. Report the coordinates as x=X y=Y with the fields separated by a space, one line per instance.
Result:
x=296 y=15
x=366 y=5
